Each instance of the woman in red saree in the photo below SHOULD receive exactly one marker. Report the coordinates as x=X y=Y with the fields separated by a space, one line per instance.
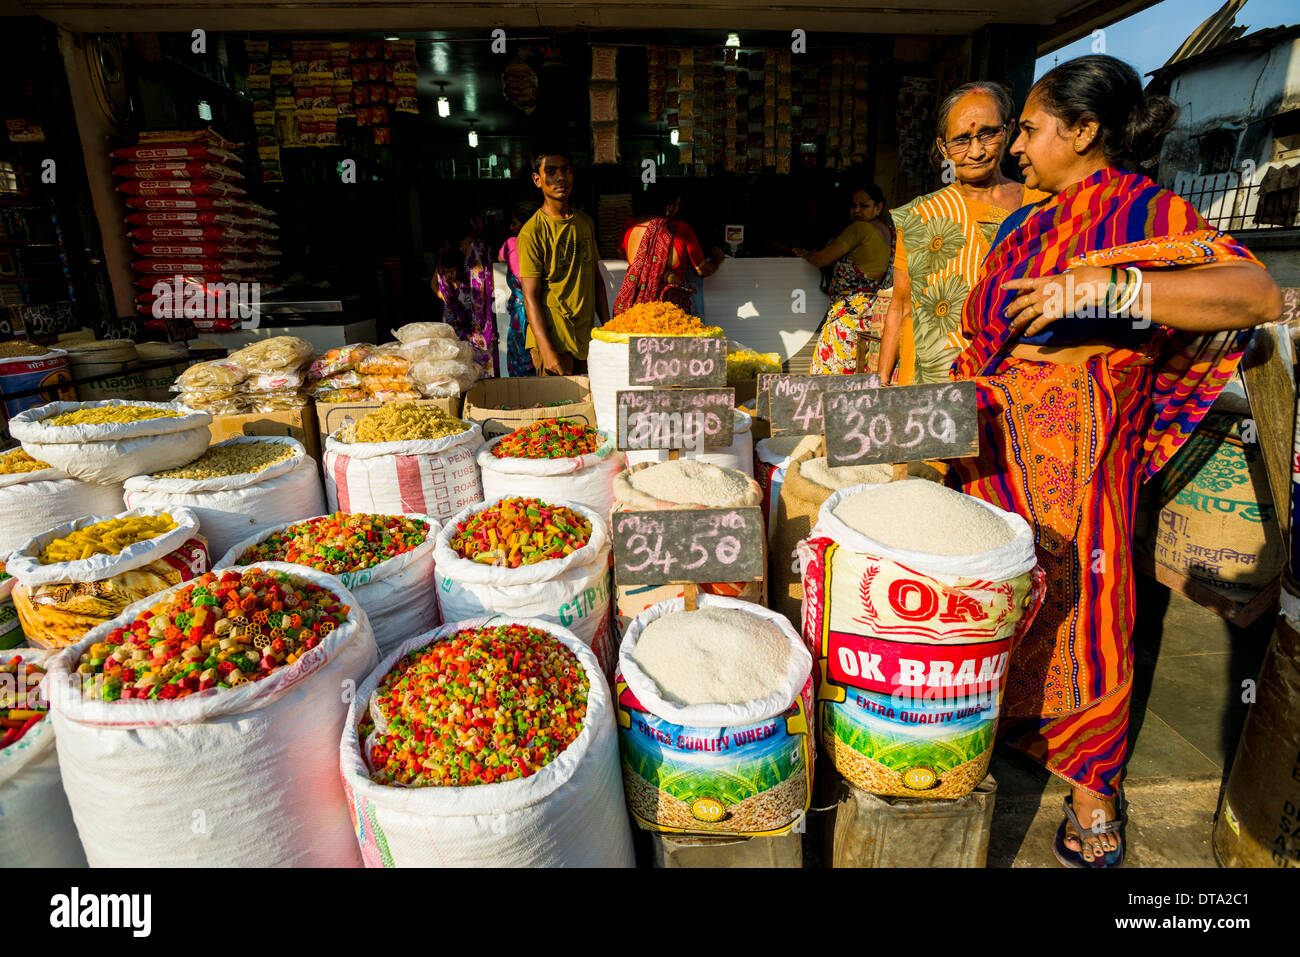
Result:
x=662 y=252
x=1106 y=320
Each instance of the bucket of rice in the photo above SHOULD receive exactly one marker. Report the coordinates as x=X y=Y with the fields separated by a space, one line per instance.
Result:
x=681 y=484
x=914 y=596
x=712 y=710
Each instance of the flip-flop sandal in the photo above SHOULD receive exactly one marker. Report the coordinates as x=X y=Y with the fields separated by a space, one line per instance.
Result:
x=1075 y=859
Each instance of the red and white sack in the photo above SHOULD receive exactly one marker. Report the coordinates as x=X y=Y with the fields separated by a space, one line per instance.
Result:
x=170 y=216
x=177 y=169
x=175 y=152
x=913 y=651
x=192 y=234
x=585 y=479
x=572 y=592
x=569 y=814
x=216 y=251
x=36 y=827
x=185 y=187
x=244 y=777
x=230 y=508
x=400 y=595
x=183 y=202
x=435 y=477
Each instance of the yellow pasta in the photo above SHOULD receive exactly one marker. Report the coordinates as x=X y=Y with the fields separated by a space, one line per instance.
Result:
x=101 y=414
x=17 y=460
x=402 y=422
x=108 y=537
x=239 y=458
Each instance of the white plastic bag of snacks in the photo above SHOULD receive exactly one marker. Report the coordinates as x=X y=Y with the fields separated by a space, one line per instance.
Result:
x=237 y=488
x=549 y=459
x=274 y=355
x=381 y=463
x=111 y=440
x=739 y=455
x=914 y=596
x=555 y=570
x=714 y=711
x=36 y=828
x=416 y=331
x=558 y=807
x=220 y=759
x=35 y=497
x=684 y=483
x=386 y=561
x=128 y=556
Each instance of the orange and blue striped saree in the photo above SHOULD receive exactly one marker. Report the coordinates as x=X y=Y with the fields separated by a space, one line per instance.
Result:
x=1067 y=447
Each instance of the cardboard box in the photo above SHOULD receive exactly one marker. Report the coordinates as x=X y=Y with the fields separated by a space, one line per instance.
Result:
x=299 y=424
x=332 y=416
x=495 y=403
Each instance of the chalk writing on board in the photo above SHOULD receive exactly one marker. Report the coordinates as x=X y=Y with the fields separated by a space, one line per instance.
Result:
x=902 y=424
x=691 y=419
x=653 y=547
x=1290 y=305
x=794 y=403
x=677 y=360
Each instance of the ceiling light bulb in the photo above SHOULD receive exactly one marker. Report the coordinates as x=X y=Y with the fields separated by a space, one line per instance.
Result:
x=672 y=137
x=733 y=40
x=444 y=106
x=473 y=137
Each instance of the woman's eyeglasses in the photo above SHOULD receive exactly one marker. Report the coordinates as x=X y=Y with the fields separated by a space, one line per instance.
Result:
x=958 y=145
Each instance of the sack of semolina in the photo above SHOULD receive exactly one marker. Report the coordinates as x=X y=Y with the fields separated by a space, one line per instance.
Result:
x=714 y=712
x=237 y=488
x=914 y=596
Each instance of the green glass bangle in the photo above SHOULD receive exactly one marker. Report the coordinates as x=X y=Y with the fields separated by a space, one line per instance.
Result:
x=1110 y=289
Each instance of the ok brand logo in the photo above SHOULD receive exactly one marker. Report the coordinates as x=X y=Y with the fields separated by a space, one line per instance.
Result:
x=912 y=600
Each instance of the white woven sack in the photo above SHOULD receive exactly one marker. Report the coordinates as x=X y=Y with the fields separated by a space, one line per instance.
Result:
x=239 y=777
x=585 y=479
x=607 y=375
x=739 y=455
x=1003 y=563
x=429 y=477
x=232 y=507
x=569 y=814
x=400 y=596
x=572 y=592
x=112 y=452
x=714 y=715
x=32 y=502
x=36 y=828
x=24 y=564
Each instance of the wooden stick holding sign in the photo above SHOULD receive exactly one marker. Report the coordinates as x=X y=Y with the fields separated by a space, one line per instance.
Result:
x=689 y=546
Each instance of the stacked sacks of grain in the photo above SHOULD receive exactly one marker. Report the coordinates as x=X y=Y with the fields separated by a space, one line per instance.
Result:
x=809 y=482
x=714 y=709
x=681 y=484
x=428 y=786
x=401 y=459
x=237 y=487
x=914 y=596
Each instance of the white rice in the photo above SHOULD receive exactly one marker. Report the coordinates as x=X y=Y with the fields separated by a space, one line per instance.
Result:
x=842 y=476
x=713 y=656
x=688 y=482
x=924 y=517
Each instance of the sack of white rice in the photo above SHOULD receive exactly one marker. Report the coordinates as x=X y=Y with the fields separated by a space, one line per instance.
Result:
x=111 y=440
x=681 y=484
x=713 y=713
x=738 y=456
x=913 y=598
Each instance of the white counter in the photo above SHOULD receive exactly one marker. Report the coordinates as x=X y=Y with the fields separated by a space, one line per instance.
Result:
x=323 y=338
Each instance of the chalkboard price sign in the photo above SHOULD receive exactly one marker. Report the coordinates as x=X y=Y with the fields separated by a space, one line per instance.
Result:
x=794 y=402
x=112 y=327
x=677 y=360
x=694 y=419
x=656 y=547
x=902 y=424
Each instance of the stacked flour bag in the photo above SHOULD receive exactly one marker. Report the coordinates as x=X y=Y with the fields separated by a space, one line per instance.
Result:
x=440 y=364
x=334 y=376
x=193 y=225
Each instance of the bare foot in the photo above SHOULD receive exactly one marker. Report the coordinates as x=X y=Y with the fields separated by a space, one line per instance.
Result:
x=1091 y=812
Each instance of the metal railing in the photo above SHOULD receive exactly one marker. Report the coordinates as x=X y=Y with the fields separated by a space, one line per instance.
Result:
x=1230 y=205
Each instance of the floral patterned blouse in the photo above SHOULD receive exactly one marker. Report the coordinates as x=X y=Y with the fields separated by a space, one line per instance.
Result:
x=942 y=241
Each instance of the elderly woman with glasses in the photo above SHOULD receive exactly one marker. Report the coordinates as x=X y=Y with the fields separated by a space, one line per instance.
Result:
x=943 y=236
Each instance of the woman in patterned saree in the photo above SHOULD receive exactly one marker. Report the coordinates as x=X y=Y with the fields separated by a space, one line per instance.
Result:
x=943 y=236
x=1077 y=412
x=862 y=254
x=463 y=281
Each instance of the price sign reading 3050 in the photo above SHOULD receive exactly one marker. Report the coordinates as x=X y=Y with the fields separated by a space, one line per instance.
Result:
x=902 y=424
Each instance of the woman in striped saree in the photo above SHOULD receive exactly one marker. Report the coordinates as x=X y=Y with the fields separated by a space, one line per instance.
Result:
x=1076 y=412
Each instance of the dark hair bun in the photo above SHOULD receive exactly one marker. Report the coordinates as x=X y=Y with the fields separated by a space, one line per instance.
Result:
x=1147 y=126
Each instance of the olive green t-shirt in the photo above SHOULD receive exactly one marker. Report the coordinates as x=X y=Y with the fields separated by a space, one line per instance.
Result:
x=867 y=248
x=562 y=253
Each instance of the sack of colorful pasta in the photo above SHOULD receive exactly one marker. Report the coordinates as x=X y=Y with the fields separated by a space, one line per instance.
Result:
x=553 y=459
x=914 y=596
x=80 y=574
x=110 y=440
x=34 y=497
x=429 y=787
x=219 y=743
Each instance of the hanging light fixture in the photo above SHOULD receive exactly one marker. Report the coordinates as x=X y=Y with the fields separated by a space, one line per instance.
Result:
x=733 y=40
x=672 y=136
x=473 y=136
x=205 y=110
x=444 y=104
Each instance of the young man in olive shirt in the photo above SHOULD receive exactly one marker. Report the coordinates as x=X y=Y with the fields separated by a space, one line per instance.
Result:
x=558 y=269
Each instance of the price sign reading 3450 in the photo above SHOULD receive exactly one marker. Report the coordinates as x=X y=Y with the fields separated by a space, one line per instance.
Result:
x=688 y=545
x=902 y=424
x=677 y=360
